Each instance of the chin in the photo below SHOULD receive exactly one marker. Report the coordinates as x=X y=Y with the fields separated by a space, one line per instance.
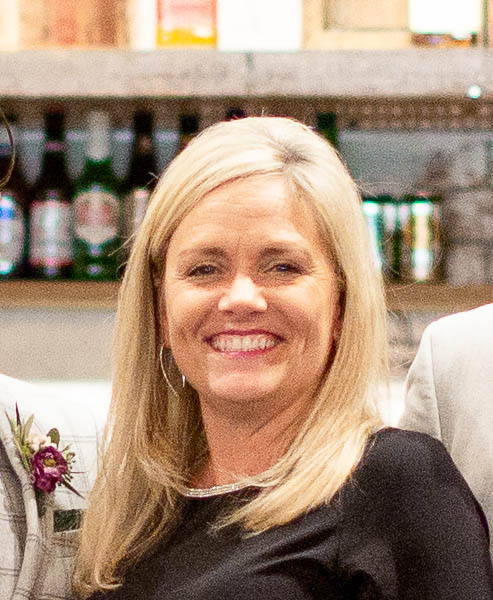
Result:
x=243 y=392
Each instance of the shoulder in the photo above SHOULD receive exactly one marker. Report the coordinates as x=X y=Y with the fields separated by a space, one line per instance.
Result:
x=411 y=522
x=399 y=448
x=399 y=458
x=404 y=473
x=453 y=360
x=472 y=324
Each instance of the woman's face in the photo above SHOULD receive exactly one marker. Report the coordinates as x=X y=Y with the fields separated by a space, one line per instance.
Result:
x=251 y=301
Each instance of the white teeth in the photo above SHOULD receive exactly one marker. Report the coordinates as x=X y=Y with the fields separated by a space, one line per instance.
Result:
x=242 y=343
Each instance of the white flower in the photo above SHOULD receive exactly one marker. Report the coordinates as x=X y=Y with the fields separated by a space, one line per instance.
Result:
x=36 y=442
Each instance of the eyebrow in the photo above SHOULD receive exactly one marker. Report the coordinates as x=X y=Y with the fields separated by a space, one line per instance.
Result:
x=285 y=248
x=205 y=251
x=276 y=249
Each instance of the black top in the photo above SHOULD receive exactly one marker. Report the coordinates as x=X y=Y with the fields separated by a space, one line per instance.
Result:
x=406 y=526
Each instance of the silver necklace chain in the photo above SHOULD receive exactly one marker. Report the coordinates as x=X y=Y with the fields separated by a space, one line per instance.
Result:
x=215 y=490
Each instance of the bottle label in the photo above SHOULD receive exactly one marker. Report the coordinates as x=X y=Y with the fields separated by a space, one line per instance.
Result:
x=186 y=13
x=54 y=146
x=12 y=232
x=97 y=216
x=51 y=231
x=134 y=210
x=186 y=22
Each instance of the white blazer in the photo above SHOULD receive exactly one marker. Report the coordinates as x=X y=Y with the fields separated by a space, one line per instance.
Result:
x=36 y=557
x=449 y=395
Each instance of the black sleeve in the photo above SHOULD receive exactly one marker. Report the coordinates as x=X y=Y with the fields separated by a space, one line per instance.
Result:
x=412 y=528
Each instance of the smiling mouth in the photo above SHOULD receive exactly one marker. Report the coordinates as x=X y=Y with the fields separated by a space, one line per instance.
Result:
x=243 y=343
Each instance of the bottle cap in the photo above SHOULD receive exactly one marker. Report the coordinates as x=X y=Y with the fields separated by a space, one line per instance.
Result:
x=54 y=125
x=143 y=122
x=326 y=120
x=98 y=124
x=189 y=124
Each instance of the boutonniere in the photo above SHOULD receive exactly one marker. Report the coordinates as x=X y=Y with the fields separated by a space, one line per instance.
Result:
x=47 y=464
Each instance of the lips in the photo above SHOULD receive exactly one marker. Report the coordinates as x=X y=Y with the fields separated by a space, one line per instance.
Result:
x=243 y=342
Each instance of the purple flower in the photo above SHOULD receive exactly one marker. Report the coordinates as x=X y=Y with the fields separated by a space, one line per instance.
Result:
x=49 y=468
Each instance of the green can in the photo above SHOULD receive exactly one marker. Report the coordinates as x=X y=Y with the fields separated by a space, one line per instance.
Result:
x=390 y=237
x=426 y=245
x=405 y=238
x=372 y=210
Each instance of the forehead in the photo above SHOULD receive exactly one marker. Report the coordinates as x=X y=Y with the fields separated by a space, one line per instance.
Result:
x=264 y=205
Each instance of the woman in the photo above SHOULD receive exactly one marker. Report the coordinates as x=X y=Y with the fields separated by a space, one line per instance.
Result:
x=246 y=456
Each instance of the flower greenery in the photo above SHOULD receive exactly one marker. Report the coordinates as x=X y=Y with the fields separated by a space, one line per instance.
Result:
x=46 y=464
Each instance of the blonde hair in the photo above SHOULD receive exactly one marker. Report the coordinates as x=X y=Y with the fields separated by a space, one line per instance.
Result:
x=155 y=440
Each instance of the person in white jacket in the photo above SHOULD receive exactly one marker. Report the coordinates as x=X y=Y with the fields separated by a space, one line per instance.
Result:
x=37 y=550
x=449 y=395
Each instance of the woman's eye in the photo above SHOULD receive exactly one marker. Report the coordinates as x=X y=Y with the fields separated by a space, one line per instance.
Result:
x=202 y=270
x=288 y=268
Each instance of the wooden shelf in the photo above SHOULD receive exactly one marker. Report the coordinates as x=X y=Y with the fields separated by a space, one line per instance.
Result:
x=438 y=297
x=103 y=296
x=209 y=73
x=26 y=294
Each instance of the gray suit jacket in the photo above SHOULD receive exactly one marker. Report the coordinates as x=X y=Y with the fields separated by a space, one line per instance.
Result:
x=36 y=561
x=449 y=395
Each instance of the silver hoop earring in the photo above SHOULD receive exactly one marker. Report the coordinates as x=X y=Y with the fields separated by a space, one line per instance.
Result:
x=165 y=375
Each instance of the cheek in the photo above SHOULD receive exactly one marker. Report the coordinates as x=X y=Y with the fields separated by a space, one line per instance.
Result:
x=314 y=311
x=183 y=316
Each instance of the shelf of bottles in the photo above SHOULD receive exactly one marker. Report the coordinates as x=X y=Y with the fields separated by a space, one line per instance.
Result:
x=67 y=233
x=64 y=229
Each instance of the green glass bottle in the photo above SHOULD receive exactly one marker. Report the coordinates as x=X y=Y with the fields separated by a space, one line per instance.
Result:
x=97 y=207
x=327 y=126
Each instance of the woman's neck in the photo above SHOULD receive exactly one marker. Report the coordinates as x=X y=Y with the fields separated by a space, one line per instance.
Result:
x=244 y=447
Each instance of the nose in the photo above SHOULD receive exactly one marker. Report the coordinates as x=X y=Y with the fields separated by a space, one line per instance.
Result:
x=243 y=295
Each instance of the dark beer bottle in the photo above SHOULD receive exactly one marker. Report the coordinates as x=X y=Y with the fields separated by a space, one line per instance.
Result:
x=141 y=178
x=50 y=214
x=189 y=127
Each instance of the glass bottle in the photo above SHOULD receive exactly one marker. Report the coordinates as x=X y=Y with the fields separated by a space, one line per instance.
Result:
x=189 y=127
x=327 y=126
x=97 y=207
x=50 y=214
x=234 y=113
x=445 y=23
x=141 y=178
x=186 y=23
x=13 y=207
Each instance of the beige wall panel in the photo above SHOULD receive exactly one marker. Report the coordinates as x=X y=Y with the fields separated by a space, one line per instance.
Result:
x=33 y=23
x=366 y=14
x=355 y=14
x=358 y=40
x=355 y=24
x=56 y=344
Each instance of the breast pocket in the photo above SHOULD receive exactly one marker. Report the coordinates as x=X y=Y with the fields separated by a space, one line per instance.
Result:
x=55 y=576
